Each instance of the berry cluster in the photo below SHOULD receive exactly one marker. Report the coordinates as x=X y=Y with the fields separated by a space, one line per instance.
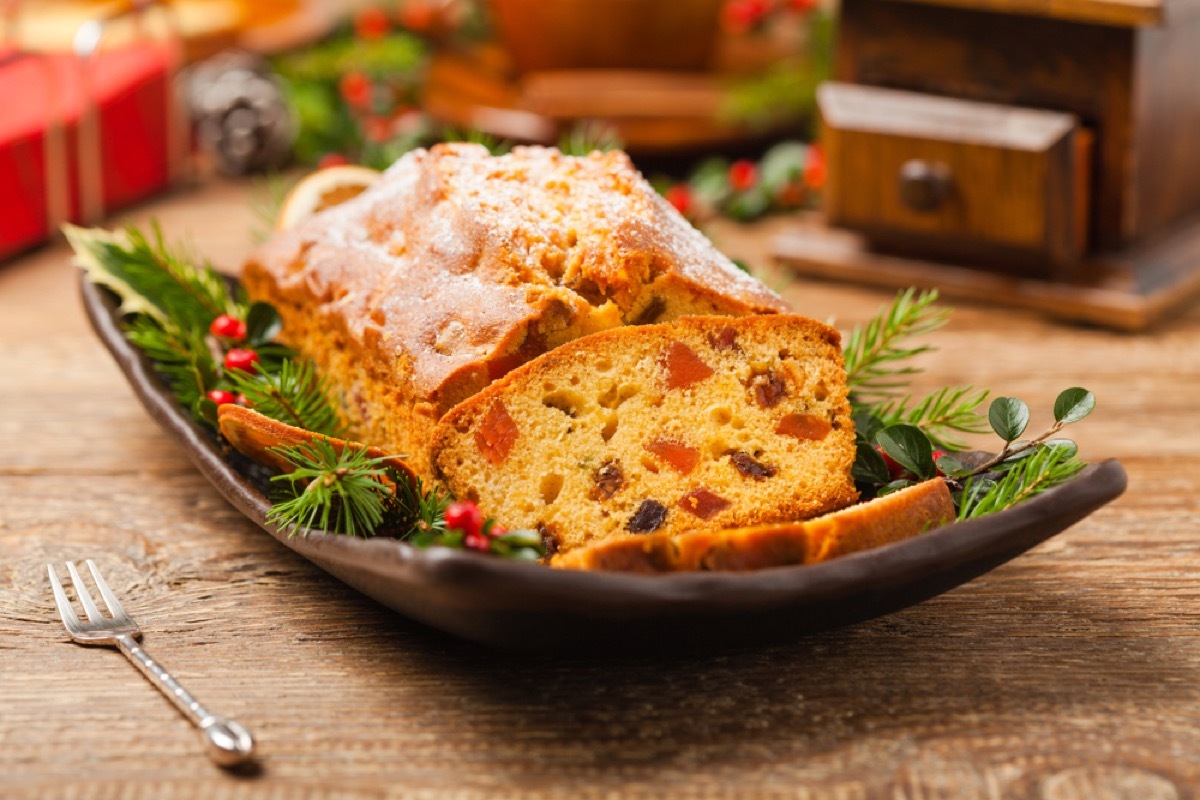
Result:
x=466 y=524
x=739 y=17
x=229 y=333
x=789 y=176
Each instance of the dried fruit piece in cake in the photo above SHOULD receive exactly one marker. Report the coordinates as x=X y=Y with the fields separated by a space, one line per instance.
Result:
x=887 y=519
x=659 y=429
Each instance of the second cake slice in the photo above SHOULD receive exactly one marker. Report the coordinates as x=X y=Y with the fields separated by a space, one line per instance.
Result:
x=708 y=422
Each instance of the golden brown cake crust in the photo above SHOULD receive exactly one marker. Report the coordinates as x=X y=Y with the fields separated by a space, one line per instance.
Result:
x=706 y=422
x=887 y=519
x=458 y=266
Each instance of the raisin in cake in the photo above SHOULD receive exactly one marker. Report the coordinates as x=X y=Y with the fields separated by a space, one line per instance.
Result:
x=891 y=518
x=704 y=423
x=457 y=266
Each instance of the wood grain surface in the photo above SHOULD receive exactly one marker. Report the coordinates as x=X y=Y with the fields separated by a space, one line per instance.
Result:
x=1071 y=673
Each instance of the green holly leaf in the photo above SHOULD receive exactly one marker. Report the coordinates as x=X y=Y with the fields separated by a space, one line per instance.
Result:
x=1073 y=405
x=782 y=164
x=1009 y=417
x=262 y=324
x=869 y=467
x=867 y=426
x=950 y=466
x=910 y=448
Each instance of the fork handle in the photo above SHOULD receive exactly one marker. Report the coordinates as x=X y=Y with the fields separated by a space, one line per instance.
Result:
x=227 y=742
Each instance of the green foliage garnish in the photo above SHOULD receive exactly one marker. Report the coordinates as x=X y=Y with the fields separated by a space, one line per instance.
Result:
x=940 y=415
x=583 y=139
x=169 y=302
x=1045 y=467
x=149 y=279
x=331 y=491
x=877 y=352
x=913 y=435
x=181 y=357
x=293 y=394
x=349 y=492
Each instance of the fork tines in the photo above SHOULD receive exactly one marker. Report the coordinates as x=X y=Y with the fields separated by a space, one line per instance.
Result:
x=67 y=612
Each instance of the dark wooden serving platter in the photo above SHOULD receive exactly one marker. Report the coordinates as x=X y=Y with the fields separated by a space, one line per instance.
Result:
x=529 y=606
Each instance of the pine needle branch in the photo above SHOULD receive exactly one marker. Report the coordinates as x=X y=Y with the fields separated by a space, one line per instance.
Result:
x=876 y=352
x=149 y=279
x=1046 y=468
x=340 y=492
x=945 y=412
x=293 y=394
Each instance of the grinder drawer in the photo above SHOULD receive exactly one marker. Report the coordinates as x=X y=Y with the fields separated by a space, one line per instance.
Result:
x=946 y=176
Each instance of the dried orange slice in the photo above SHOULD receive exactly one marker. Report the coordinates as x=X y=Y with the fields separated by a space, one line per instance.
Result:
x=323 y=189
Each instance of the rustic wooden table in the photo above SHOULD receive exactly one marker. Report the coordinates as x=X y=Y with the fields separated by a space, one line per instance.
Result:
x=1072 y=672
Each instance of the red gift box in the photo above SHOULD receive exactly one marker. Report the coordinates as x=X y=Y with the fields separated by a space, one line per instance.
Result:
x=81 y=135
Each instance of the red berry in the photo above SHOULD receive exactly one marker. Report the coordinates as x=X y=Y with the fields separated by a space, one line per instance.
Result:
x=936 y=455
x=743 y=175
x=895 y=470
x=243 y=401
x=356 y=89
x=496 y=531
x=377 y=129
x=791 y=194
x=464 y=516
x=477 y=541
x=332 y=160
x=739 y=16
x=814 y=168
x=240 y=358
x=221 y=397
x=228 y=327
x=371 y=23
x=803 y=6
x=680 y=196
x=416 y=15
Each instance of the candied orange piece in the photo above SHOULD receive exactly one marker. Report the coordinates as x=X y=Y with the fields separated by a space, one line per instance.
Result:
x=681 y=457
x=496 y=434
x=804 y=426
x=683 y=366
x=703 y=503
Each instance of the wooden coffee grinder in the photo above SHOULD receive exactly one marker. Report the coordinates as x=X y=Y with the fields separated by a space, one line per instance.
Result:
x=1034 y=153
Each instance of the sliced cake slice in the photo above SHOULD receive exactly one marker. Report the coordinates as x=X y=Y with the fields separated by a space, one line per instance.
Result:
x=700 y=424
x=891 y=518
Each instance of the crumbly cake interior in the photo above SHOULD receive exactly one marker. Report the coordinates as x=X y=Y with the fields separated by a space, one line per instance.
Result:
x=908 y=512
x=458 y=266
x=705 y=423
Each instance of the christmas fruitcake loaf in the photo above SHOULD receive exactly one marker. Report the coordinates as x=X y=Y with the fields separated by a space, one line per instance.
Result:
x=457 y=266
x=701 y=424
x=886 y=519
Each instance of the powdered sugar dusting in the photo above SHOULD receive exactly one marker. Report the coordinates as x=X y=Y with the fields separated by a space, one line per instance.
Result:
x=452 y=250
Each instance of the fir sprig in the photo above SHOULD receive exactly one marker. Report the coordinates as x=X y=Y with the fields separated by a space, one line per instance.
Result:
x=182 y=358
x=151 y=279
x=293 y=394
x=339 y=492
x=350 y=492
x=876 y=352
x=1046 y=466
x=940 y=415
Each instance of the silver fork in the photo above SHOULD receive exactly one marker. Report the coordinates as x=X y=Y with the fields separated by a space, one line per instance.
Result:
x=228 y=743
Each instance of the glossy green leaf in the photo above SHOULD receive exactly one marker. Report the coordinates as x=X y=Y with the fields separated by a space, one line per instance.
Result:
x=1009 y=417
x=1073 y=405
x=869 y=467
x=910 y=448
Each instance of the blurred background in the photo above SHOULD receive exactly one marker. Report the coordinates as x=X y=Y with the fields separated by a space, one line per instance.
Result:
x=118 y=101
x=1033 y=154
